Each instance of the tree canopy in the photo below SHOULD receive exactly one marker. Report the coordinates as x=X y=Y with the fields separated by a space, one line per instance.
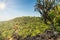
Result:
x=44 y=7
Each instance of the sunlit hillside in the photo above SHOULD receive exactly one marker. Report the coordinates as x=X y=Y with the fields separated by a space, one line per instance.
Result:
x=23 y=26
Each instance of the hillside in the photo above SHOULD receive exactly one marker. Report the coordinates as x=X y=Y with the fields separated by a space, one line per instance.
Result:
x=26 y=28
x=23 y=26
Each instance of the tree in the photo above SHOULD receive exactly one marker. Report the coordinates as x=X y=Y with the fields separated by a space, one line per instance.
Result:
x=44 y=7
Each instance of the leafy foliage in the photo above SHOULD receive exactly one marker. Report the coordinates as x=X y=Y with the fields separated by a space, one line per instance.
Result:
x=23 y=26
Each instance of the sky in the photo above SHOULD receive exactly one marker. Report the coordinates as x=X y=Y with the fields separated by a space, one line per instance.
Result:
x=10 y=9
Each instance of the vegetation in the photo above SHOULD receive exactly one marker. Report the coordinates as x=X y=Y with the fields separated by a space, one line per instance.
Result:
x=44 y=7
x=24 y=26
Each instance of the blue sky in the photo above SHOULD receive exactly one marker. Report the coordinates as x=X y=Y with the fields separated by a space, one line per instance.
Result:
x=16 y=8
